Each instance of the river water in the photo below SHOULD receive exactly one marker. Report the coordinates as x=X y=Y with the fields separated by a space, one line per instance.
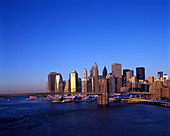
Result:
x=21 y=117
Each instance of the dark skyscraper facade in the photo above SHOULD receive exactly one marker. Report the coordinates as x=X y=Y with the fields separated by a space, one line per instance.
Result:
x=140 y=73
x=124 y=73
x=104 y=71
x=51 y=81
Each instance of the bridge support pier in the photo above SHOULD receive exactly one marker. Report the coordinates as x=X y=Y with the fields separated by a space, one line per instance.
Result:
x=103 y=99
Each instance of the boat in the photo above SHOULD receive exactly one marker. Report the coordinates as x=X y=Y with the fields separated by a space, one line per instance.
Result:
x=33 y=97
x=66 y=101
x=55 y=101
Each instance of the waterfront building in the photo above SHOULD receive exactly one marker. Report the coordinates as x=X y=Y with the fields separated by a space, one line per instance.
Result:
x=59 y=83
x=151 y=79
x=89 y=85
x=124 y=89
x=159 y=91
x=104 y=71
x=84 y=85
x=140 y=73
x=111 y=84
x=160 y=74
x=79 y=88
x=51 y=82
x=85 y=74
x=67 y=86
x=47 y=86
x=74 y=81
x=117 y=70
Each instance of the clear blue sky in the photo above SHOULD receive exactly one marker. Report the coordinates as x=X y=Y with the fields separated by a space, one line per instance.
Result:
x=41 y=36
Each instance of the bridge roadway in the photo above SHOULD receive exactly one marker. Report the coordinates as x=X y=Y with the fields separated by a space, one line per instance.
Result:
x=56 y=93
x=67 y=93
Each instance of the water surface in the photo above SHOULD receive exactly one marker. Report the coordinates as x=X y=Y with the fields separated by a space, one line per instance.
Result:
x=27 y=117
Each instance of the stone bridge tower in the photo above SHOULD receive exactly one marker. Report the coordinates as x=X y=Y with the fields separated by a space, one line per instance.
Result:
x=103 y=99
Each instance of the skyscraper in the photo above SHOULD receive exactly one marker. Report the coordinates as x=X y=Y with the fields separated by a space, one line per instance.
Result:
x=67 y=86
x=129 y=75
x=160 y=74
x=73 y=81
x=95 y=70
x=117 y=70
x=124 y=73
x=140 y=73
x=84 y=85
x=104 y=71
x=79 y=85
x=85 y=74
x=51 y=82
x=59 y=83
x=91 y=71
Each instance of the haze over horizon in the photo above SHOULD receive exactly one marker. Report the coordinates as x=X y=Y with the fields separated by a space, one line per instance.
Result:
x=38 y=37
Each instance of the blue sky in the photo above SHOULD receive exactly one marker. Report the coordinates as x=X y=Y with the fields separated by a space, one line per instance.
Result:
x=41 y=36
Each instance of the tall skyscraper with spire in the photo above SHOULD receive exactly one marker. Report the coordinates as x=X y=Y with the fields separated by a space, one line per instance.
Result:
x=104 y=71
x=95 y=70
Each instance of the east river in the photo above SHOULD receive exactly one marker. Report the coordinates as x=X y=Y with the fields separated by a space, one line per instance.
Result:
x=21 y=117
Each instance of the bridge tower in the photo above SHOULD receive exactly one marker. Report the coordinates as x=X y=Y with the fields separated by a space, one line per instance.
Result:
x=103 y=99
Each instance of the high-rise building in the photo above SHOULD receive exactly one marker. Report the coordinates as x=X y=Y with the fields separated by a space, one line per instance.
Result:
x=89 y=85
x=132 y=73
x=111 y=84
x=47 y=86
x=51 y=82
x=79 y=85
x=59 y=83
x=117 y=70
x=67 y=86
x=124 y=73
x=95 y=70
x=160 y=74
x=92 y=83
x=129 y=75
x=104 y=71
x=118 y=84
x=140 y=73
x=133 y=79
x=151 y=79
x=74 y=81
x=91 y=71
x=84 y=85
x=85 y=74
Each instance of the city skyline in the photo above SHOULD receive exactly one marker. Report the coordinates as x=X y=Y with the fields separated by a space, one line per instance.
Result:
x=41 y=37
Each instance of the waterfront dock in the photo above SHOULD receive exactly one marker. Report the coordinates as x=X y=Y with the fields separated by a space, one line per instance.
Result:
x=147 y=101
